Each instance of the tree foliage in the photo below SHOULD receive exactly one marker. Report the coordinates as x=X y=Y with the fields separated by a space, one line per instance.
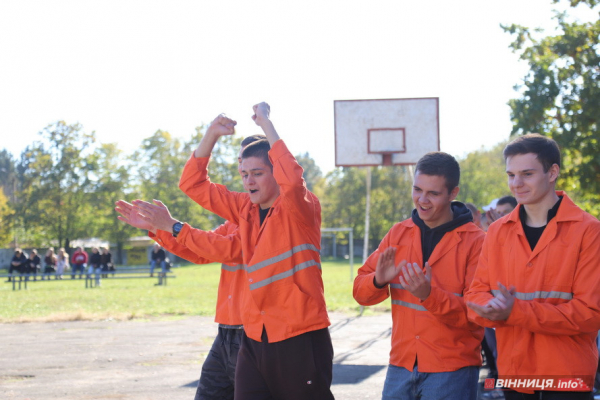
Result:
x=54 y=198
x=560 y=97
x=160 y=161
x=6 y=214
x=344 y=201
x=483 y=176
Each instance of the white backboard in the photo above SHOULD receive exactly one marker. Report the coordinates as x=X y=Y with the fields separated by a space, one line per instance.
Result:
x=385 y=131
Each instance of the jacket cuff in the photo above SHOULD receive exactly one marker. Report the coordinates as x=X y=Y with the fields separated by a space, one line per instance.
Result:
x=200 y=163
x=433 y=301
x=182 y=236
x=516 y=314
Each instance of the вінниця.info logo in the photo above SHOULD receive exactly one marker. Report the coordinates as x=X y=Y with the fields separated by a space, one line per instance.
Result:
x=534 y=383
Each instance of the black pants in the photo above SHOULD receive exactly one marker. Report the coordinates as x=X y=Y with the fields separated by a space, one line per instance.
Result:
x=298 y=368
x=548 y=395
x=218 y=371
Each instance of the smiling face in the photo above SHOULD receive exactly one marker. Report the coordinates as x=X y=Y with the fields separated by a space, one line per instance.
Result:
x=432 y=200
x=527 y=180
x=259 y=182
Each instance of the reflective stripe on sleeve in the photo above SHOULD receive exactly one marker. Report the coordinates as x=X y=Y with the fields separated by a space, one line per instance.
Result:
x=232 y=268
x=409 y=305
x=540 y=294
x=399 y=286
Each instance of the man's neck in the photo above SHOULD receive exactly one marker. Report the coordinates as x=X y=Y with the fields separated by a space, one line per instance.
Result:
x=537 y=214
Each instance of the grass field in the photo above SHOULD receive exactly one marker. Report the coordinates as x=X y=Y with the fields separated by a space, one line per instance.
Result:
x=193 y=292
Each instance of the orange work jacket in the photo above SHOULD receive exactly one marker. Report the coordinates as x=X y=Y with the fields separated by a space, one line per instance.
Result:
x=436 y=332
x=555 y=318
x=198 y=247
x=284 y=287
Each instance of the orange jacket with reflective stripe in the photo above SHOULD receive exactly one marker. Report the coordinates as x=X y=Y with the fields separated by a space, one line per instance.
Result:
x=435 y=331
x=284 y=288
x=199 y=247
x=555 y=318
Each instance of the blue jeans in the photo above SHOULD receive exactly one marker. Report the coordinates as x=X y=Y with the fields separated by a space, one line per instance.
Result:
x=163 y=266
x=400 y=383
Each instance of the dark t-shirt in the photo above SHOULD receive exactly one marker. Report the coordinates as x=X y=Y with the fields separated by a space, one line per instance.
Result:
x=533 y=234
x=159 y=255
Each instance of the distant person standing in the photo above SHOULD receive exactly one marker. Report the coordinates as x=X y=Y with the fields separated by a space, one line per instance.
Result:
x=158 y=256
x=94 y=266
x=62 y=263
x=18 y=262
x=106 y=261
x=79 y=261
x=33 y=264
x=49 y=263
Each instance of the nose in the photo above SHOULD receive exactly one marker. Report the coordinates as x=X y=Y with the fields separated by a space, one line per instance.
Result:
x=516 y=181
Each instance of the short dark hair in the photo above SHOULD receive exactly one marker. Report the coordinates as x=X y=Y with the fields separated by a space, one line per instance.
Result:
x=443 y=164
x=507 y=200
x=260 y=149
x=252 y=139
x=545 y=149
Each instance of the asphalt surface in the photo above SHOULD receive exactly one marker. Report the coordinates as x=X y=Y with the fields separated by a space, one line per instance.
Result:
x=161 y=359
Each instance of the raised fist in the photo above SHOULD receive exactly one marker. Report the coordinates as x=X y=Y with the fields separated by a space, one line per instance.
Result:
x=221 y=126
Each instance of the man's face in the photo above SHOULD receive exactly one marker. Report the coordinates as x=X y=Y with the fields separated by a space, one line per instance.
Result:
x=504 y=209
x=527 y=180
x=432 y=200
x=259 y=182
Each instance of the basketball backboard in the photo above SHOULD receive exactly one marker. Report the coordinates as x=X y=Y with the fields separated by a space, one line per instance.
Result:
x=385 y=131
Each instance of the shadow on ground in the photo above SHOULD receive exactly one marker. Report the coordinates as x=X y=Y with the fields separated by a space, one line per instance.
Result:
x=344 y=374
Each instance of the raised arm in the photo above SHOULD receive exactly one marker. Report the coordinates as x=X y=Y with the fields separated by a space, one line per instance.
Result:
x=195 y=245
x=220 y=126
x=262 y=111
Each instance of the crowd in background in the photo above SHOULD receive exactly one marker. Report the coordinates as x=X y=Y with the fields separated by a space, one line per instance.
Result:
x=56 y=265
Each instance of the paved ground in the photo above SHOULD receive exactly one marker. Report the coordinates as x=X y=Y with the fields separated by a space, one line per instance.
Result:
x=160 y=359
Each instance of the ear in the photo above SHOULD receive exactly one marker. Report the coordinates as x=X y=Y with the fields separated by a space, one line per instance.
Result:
x=454 y=193
x=554 y=172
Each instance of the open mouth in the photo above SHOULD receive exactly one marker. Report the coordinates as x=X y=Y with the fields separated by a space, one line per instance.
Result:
x=253 y=191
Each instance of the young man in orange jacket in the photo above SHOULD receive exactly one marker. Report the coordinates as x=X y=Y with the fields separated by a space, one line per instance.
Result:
x=537 y=281
x=435 y=349
x=286 y=351
x=218 y=370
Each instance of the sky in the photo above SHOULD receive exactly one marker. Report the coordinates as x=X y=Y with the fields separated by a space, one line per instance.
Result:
x=125 y=69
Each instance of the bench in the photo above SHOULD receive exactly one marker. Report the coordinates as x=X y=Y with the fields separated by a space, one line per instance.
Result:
x=19 y=281
x=92 y=280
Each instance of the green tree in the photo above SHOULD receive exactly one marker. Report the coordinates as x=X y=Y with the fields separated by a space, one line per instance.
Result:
x=160 y=162
x=560 y=97
x=111 y=182
x=6 y=214
x=483 y=176
x=344 y=200
x=312 y=173
x=8 y=178
x=54 y=173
